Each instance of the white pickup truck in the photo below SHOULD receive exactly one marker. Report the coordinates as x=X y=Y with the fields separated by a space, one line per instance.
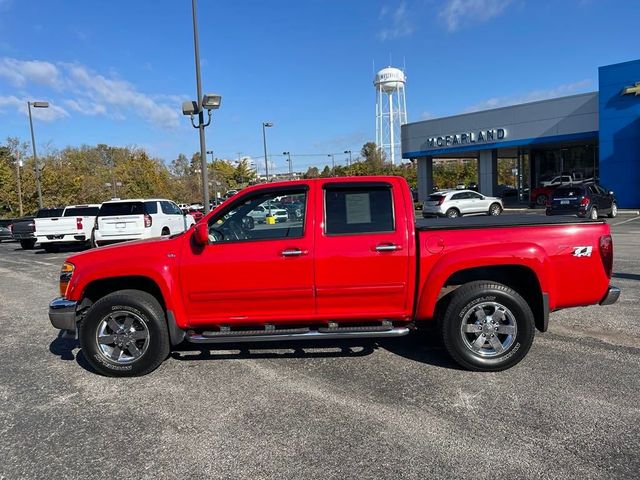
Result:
x=73 y=227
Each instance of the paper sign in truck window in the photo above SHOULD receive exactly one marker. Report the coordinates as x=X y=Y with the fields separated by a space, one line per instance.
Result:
x=358 y=208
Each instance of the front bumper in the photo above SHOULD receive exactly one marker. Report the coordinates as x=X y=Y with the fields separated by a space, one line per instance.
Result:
x=62 y=313
x=613 y=293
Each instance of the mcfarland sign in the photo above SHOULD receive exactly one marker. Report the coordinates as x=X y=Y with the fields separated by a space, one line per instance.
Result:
x=467 y=138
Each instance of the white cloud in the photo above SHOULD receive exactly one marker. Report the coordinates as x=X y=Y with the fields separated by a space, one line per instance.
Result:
x=534 y=95
x=91 y=93
x=457 y=13
x=85 y=107
x=396 y=23
x=427 y=116
x=54 y=112
x=21 y=72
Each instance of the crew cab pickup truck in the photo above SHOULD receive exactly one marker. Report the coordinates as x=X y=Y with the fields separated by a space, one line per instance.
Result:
x=73 y=227
x=354 y=265
x=23 y=229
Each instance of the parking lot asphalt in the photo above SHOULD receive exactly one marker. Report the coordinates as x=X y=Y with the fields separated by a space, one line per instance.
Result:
x=393 y=409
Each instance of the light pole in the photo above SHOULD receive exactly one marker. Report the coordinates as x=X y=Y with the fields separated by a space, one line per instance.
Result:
x=33 y=144
x=208 y=102
x=288 y=154
x=266 y=125
x=333 y=164
x=349 y=152
x=18 y=162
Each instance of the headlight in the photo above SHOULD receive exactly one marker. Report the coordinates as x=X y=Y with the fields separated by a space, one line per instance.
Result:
x=65 y=277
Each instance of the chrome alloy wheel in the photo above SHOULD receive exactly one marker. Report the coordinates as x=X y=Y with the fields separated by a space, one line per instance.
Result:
x=489 y=329
x=122 y=337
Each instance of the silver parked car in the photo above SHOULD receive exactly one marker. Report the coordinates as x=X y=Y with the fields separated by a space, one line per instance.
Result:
x=455 y=203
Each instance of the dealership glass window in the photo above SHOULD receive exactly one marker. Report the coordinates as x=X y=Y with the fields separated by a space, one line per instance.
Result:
x=580 y=162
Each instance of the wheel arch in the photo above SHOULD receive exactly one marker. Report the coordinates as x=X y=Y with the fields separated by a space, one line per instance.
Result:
x=530 y=277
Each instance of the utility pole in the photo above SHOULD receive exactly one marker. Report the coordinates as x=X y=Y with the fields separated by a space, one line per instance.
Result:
x=288 y=154
x=333 y=164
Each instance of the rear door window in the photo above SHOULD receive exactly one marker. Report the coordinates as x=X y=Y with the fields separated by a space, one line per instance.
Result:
x=121 y=208
x=357 y=209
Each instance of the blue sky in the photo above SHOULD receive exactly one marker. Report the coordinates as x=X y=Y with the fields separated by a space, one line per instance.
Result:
x=117 y=71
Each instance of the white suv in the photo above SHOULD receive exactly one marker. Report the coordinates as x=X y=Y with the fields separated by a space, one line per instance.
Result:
x=455 y=203
x=122 y=220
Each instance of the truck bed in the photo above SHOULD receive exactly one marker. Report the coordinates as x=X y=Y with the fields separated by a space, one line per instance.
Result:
x=488 y=221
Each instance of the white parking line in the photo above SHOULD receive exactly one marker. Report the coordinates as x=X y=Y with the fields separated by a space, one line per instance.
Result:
x=30 y=261
x=626 y=221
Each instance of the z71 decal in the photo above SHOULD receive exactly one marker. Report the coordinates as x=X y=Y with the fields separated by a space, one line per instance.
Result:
x=582 y=251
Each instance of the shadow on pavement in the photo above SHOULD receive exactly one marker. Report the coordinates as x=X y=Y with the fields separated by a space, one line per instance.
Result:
x=422 y=346
x=628 y=276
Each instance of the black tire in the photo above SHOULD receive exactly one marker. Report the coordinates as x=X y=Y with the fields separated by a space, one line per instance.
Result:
x=614 y=210
x=165 y=232
x=541 y=199
x=593 y=213
x=495 y=209
x=92 y=241
x=482 y=296
x=27 y=244
x=453 y=213
x=50 y=248
x=147 y=313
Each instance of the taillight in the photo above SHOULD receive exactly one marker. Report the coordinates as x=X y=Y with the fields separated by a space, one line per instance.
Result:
x=65 y=277
x=606 y=253
x=147 y=220
x=33 y=225
x=441 y=201
x=95 y=224
x=584 y=202
x=79 y=223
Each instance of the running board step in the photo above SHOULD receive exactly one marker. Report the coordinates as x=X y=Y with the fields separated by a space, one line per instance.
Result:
x=295 y=334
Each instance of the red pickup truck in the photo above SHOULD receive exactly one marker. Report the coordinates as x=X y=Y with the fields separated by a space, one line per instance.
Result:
x=354 y=264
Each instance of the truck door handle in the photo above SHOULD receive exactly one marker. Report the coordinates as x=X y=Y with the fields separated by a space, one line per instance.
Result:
x=388 y=247
x=293 y=252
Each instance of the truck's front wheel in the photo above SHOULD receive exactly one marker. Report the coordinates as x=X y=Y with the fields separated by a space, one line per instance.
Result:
x=124 y=334
x=487 y=326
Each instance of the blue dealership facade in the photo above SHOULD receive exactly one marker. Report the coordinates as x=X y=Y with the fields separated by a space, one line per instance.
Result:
x=589 y=136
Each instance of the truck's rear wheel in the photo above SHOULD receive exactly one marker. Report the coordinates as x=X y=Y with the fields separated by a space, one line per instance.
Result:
x=27 y=244
x=487 y=326
x=124 y=334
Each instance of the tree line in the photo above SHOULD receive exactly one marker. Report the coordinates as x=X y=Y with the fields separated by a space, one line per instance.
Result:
x=87 y=174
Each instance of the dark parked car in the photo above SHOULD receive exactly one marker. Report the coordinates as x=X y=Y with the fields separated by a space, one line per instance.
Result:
x=585 y=200
x=23 y=228
x=5 y=230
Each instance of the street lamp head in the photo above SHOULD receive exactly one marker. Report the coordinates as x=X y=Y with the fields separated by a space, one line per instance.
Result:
x=267 y=124
x=285 y=153
x=347 y=151
x=40 y=104
x=209 y=152
x=211 y=101
x=190 y=107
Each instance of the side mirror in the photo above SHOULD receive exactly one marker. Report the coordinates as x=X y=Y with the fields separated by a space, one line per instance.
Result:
x=201 y=234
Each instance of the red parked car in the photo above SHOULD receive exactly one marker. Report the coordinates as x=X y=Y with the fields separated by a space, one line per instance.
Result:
x=196 y=214
x=355 y=265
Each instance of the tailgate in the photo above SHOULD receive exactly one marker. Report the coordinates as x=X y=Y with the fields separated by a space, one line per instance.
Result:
x=121 y=225
x=56 y=226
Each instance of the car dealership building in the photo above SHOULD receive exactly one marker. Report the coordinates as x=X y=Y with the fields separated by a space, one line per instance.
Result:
x=592 y=135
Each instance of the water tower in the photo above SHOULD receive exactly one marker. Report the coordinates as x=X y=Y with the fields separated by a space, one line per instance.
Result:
x=391 y=110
